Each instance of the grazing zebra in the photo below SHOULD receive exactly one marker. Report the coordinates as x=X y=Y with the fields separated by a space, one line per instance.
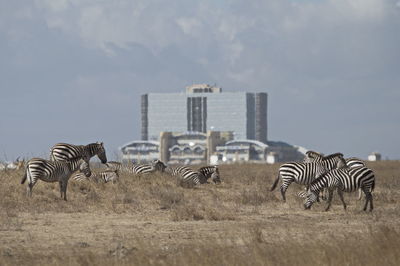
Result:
x=304 y=173
x=156 y=165
x=50 y=171
x=65 y=152
x=211 y=172
x=344 y=180
x=312 y=156
x=104 y=176
x=187 y=177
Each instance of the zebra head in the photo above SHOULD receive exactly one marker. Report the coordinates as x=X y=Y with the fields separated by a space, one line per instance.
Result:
x=215 y=176
x=341 y=163
x=312 y=197
x=159 y=165
x=101 y=152
x=85 y=169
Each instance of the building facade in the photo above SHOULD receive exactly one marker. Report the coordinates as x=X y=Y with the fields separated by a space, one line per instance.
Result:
x=215 y=147
x=205 y=108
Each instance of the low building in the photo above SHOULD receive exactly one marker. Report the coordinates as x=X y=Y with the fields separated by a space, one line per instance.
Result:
x=140 y=151
x=213 y=147
x=190 y=147
x=375 y=156
x=256 y=151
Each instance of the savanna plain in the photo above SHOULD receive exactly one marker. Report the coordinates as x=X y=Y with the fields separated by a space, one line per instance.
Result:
x=148 y=220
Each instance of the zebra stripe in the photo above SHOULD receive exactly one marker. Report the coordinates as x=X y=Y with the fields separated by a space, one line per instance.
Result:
x=304 y=173
x=53 y=171
x=354 y=162
x=345 y=180
x=187 y=177
x=65 y=152
x=156 y=165
x=312 y=156
x=210 y=172
x=100 y=177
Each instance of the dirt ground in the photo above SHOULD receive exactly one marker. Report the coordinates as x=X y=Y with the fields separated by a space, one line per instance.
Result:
x=149 y=220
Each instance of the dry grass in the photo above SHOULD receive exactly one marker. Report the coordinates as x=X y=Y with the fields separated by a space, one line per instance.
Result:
x=148 y=220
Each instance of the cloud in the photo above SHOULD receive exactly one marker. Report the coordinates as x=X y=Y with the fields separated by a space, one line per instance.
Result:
x=306 y=54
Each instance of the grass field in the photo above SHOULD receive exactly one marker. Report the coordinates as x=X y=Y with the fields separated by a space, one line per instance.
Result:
x=151 y=221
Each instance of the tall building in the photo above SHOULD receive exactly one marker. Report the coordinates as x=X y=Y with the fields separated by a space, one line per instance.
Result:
x=205 y=108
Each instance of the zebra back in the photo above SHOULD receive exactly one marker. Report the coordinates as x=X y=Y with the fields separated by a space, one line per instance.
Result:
x=99 y=177
x=65 y=152
x=312 y=156
x=114 y=166
x=304 y=173
x=355 y=162
x=136 y=168
x=187 y=177
x=175 y=171
x=142 y=169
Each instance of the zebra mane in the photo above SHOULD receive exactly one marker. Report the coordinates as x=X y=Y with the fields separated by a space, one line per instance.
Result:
x=338 y=154
x=313 y=154
x=95 y=145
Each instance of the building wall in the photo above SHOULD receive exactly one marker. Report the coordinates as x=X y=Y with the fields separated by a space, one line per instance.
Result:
x=144 y=117
x=228 y=112
x=243 y=113
x=260 y=123
x=166 y=112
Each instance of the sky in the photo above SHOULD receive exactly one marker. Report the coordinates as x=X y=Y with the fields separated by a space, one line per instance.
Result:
x=73 y=70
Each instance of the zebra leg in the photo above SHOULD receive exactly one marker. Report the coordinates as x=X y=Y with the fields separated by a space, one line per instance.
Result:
x=31 y=183
x=340 y=192
x=284 y=187
x=61 y=189
x=371 y=205
x=330 y=196
x=360 y=193
x=368 y=198
x=65 y=184
x=29 y=189
x=323 y=194
x=366 y=202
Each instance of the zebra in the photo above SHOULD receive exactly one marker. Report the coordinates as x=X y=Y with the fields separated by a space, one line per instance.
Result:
x=156 y=165
x=65 y=152
x=103 y=176
x=53 y=171
x=187 y=177
x=304 y=173
x=211 y=171
x=344 y=180
x=312 y=156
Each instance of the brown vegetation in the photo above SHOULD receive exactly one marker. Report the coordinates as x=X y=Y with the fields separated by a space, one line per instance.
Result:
x=148 y=220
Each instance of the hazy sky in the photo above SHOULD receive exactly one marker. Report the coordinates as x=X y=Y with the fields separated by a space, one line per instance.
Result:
x=73 y=70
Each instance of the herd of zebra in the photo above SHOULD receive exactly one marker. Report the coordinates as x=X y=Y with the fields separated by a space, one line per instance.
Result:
x=68 y=160
x=327 y=173
x=317 y=172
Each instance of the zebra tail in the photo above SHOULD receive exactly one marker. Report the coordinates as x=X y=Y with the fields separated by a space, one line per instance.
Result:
x=24 y=178
x=275 y=183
